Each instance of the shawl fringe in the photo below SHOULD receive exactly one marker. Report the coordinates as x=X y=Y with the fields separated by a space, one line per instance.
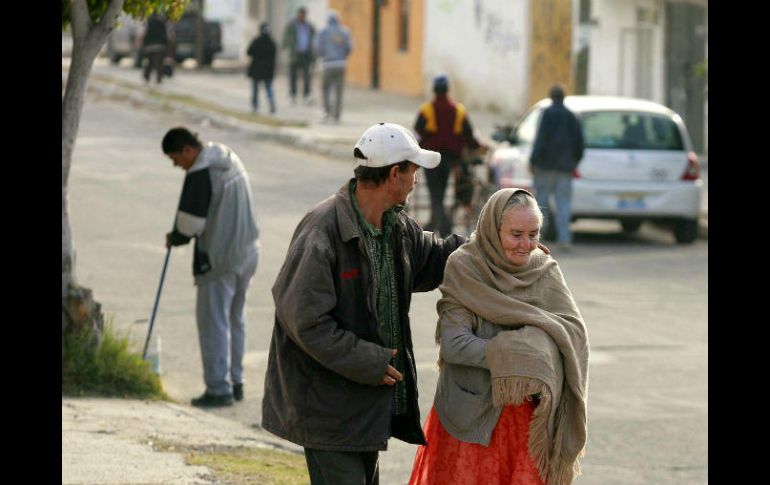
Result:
x=553 y=468
x=562 y=471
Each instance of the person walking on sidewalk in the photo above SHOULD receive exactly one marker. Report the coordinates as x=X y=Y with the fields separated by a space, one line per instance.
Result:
x=298 y=38
x=154 y=47
x=556 y=153
x=444 y=126
x=333 y=48
x=217 y=209
x=341 y=376
x=262 y=67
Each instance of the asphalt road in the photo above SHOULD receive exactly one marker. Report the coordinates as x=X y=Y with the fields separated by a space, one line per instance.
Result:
x=644 y=298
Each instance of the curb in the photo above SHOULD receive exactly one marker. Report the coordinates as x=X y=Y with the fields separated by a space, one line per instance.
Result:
x=284 y=135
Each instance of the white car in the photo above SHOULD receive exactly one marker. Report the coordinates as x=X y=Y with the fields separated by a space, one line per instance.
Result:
x=638 y=163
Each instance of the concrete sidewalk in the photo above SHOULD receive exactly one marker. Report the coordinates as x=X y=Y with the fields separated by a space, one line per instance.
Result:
x=227 y=88
x=115 y=441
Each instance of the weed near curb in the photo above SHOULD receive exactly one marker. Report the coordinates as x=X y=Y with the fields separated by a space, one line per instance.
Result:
x=244 y=465
x=109 y=369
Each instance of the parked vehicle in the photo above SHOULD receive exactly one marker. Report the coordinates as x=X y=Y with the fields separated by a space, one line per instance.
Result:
x=126 y=39
x=638 y=163
x=185 y=35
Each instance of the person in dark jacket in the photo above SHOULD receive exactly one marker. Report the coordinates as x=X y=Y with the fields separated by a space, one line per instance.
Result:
x=298 y=38
x=444 y=126
x=341 y=375
x=556 y=153
x=262 y=68
x=154 y=47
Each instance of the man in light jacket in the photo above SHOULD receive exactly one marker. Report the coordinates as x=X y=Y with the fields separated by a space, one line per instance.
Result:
x=333 y=47
x=341 y=376
x=217 y=209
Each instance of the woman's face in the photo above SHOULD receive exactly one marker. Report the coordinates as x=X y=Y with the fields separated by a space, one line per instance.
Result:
x=519 y=234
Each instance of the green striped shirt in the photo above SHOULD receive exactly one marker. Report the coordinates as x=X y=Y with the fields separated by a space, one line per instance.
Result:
x=379 y=246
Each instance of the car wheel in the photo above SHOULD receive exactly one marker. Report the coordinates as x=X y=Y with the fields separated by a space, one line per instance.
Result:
x=630 y=225
x=115 y=58
x=686 y=231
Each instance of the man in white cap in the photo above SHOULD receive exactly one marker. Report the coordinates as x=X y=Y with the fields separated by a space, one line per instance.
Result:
x=341 y=377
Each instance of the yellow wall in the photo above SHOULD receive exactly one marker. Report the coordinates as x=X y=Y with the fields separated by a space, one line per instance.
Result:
x=357 y=16
x=400 y=72
x=551 y=48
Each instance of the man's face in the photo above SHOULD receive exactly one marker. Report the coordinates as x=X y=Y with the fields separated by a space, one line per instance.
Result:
x=405 y=182
x=185 y=158
x=301 y=16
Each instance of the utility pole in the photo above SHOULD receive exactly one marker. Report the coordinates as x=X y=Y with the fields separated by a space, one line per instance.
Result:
x=376 y=45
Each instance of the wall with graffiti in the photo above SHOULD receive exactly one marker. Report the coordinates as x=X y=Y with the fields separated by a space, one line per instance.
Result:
x=483 y=46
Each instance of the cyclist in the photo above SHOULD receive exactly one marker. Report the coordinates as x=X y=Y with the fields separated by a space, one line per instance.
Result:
x=443 y=125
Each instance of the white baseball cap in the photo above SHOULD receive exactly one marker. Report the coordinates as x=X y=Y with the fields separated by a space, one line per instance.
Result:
x=384 y=144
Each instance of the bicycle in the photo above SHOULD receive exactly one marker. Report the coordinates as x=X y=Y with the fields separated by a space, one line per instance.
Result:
x=463 y=216
x=478 y=186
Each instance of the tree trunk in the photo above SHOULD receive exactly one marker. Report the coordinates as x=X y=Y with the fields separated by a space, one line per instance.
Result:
x=79 y=311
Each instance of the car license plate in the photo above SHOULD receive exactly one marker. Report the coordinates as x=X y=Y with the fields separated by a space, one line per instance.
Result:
x=630 y=201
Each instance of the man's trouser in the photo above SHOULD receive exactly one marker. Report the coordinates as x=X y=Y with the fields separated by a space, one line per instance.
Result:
x=302 y=62
x=333 y=79
x=155 y=54
x=437 y=179
x=255 y=93
x=559 y=184
x=343 y=468
x=222 y=326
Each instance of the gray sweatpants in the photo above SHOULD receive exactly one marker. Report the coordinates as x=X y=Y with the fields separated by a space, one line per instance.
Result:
x=333 y=80
x=222 y=326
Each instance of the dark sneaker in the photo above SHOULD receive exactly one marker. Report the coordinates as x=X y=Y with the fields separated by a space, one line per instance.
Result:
x=210 y=401
x=238 y=392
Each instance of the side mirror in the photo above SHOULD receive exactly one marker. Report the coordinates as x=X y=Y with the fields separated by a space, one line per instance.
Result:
x=513 y=139
x=504 y=133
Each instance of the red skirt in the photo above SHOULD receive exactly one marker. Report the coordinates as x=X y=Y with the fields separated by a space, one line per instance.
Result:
x=506 y=461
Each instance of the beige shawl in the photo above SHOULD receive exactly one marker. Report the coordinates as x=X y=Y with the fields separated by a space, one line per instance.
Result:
x=546 y=351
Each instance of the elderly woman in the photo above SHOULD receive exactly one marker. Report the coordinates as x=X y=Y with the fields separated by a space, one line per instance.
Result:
x=510 y=405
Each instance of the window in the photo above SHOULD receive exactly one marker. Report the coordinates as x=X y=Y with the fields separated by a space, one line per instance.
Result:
x=585 y=11
x=630 y=130
x=403 y=25
x=528 y=127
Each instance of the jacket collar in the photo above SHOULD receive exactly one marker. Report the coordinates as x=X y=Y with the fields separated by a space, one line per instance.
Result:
x=346 y=215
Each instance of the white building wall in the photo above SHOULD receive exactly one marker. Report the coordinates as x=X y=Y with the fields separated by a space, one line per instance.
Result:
x=614 y=67
x=483 y=46
x=283 y=11
x=239 y=26
x=232 y=15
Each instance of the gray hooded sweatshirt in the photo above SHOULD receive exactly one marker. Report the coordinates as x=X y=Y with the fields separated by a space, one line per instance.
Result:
x=333 y=44
x=217 y=209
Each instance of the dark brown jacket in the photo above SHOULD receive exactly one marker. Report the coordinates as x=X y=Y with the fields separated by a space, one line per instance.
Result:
x=326 y=355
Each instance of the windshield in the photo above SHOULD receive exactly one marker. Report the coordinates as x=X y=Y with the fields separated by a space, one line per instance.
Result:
x=630 y=130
